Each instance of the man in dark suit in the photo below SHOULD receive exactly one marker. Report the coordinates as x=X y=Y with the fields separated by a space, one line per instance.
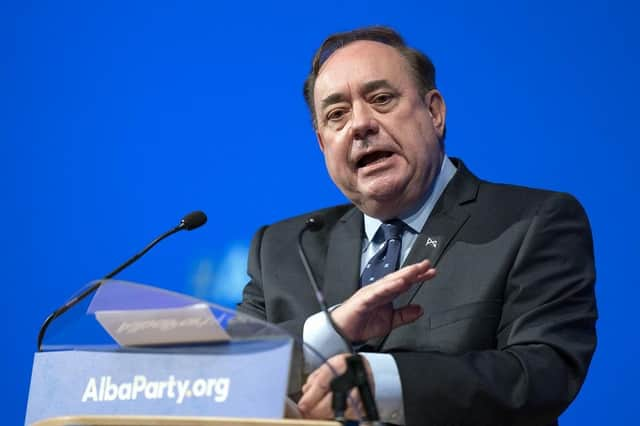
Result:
x=490 y=316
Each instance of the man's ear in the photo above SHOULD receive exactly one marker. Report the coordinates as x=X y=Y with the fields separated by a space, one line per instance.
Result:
x=437 y=110
x=319 y=139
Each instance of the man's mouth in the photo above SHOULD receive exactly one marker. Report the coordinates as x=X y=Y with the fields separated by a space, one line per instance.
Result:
x=373 y=157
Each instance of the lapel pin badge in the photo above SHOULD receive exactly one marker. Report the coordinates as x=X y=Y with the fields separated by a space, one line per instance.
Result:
x=431 y=242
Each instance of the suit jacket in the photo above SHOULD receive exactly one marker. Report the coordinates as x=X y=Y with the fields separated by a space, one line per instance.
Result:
x=509 y=326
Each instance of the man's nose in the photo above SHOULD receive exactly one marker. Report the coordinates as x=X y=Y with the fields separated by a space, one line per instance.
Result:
x=363 y=122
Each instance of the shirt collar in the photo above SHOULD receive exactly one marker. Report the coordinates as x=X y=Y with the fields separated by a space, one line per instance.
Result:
x=416 y=220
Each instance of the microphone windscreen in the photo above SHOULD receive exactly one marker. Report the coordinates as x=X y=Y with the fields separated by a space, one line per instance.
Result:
x=314 y=223
x=193 y=220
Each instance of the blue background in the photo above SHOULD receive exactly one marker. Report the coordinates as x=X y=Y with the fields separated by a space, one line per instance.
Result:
x=116 y=118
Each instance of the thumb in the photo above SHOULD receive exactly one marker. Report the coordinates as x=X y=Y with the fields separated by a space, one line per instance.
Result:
x=406 y=314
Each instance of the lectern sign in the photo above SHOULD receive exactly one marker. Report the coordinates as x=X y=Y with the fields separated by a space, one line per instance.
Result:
x=140 y=387
x=204 y=360
x=190 y=324
x=223 y=380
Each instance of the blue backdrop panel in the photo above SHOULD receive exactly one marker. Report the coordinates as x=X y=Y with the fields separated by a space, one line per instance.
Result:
x=117 y=118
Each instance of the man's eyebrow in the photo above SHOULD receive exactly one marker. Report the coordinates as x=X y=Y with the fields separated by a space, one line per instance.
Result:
x=371 y=86
x=334 y=98
x=368 y=87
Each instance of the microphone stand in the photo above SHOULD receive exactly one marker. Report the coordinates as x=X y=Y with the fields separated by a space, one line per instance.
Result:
x=191 y=221
x=355 y=375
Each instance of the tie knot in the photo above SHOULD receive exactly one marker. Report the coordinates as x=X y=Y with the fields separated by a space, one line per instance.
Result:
x=393 y=229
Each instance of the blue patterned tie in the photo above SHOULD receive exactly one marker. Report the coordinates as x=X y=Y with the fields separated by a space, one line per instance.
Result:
x=387 y=259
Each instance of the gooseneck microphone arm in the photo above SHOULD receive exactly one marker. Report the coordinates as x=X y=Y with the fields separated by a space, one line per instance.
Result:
x=191 y=221
x=355 y=376
x=315 y=224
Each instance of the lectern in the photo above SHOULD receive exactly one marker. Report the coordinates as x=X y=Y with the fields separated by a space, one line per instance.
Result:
x=174 y=421
x=170 y=359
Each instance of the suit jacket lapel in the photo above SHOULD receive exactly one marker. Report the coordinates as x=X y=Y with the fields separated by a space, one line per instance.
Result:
x=434 y=239
x=443 y=224
x=342 y=270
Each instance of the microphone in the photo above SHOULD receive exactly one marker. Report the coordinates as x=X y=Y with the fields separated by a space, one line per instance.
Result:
x=193 y=220
x=190 y=222
x=355 y=374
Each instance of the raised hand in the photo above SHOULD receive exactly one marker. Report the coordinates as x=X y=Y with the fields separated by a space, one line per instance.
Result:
x=369 y=313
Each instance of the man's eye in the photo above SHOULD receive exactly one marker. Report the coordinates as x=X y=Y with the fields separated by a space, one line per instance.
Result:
x=335 y=115
x=382 y=98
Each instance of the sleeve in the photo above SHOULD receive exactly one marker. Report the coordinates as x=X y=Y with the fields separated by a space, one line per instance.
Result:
x=387 y=387
x=253 y=300
x=545 y=339
x=321 y=341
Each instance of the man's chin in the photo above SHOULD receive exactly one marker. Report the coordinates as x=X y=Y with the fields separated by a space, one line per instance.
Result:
x=383 y=206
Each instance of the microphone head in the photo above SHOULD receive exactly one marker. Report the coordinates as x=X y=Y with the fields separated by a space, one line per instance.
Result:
x=193 y=220
x=314 y=223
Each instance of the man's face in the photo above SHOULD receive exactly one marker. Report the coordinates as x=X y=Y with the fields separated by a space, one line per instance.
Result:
x=379 y=137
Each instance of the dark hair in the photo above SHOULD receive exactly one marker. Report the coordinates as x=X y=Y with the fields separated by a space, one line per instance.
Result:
x=422 y=69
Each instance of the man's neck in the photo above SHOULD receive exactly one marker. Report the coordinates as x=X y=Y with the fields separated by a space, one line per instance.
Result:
x=417 y=216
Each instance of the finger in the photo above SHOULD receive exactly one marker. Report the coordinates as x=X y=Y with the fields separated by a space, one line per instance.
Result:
x=418 y=272
x=322 y=410
x=404 y=278
x=326 y=369
x=387 y=289
x=406 y=274
x=311 y=398
x=314 y=389
x=355 y=408
x=412 y=271
x=317 y=377
x=406 y=314
x=311 y=377
x=427 y=275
